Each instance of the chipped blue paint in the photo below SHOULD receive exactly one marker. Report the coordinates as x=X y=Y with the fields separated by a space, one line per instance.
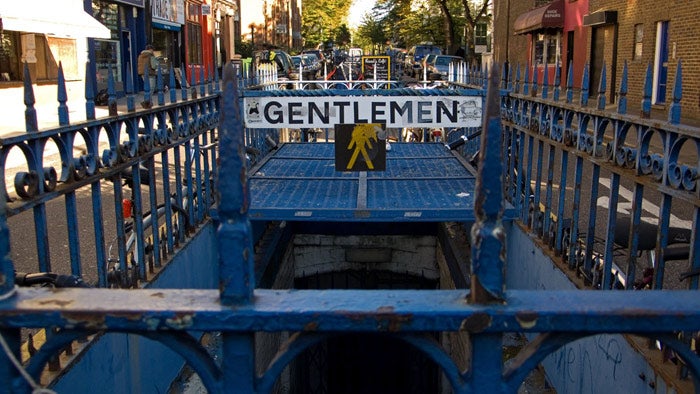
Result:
x=486 y=311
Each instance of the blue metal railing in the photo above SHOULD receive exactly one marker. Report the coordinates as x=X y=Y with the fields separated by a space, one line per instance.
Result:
x=155 y=161
x=485 y=312
x=650 y=163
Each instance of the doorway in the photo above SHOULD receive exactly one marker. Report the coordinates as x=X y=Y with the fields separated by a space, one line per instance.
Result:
x=569 y=52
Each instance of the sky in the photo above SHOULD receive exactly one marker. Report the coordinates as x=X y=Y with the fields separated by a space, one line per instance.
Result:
x=358 y=9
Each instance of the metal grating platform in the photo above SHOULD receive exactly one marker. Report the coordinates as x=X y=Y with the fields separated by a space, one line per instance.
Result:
x=422 y=182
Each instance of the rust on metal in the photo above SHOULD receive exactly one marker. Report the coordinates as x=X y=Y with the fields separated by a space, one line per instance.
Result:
x=476 y=323
x=59 y=303
x=180 y=320
x=386 y=319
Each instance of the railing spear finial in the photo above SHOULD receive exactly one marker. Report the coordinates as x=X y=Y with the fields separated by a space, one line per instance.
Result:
x=545 y=82
x=236 y=254
x=557 y=82
x=622 y=95
x=171 y=84
x=112 y=94
x=674 y=111
x=89 y=93
x=160 y=83
x=570 y=84
x=63 y=118
x=584 y=87
x=30 y=121
x=488 y=235
x=646 y=95
x=130 y=104
x=602 y=88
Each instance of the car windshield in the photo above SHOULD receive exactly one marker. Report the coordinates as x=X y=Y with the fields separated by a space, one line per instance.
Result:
x=423 y=51
x=445 y=60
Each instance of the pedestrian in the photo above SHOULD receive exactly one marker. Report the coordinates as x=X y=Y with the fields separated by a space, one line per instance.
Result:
x=148 y=57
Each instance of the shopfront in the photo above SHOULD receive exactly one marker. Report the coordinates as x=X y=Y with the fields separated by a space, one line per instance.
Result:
x=44 y=37
x=168 y=16
x=199 y=49
x=125 y=21
x=545 y=26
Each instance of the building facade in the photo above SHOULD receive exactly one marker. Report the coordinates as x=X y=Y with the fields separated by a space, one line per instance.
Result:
x=539 y=34
x=645 y=34
x=283 y=24
x=126 y=21
x=42 y=34
x=610 y=34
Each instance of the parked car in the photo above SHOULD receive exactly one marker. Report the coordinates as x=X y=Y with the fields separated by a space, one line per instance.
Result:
x=440 y=66
x=285 y=65
x=355 y=55
x=316 y=52
x=426 y=63
x=415 y=55
x=309 y=70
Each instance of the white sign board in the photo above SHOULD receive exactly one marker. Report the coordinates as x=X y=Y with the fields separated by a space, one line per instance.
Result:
x=393 y=111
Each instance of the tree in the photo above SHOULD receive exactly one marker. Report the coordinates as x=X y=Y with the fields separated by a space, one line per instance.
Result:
x=473 y=14
x=321 y=19
x=342 y=35
x=448 y=27
x=370 y=33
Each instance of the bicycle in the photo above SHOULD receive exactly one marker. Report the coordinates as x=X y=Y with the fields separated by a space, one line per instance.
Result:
x=48 y=279
x=123 y=267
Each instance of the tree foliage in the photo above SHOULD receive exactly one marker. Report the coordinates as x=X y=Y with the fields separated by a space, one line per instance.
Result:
x=409 y=22
x=322 y=19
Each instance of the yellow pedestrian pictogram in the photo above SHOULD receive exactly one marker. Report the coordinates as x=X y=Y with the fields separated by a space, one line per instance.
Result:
x=362 y=136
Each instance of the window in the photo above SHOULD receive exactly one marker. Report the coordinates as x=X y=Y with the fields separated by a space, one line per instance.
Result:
x=194 y=33
x=194 y=43
x=547 y=49
x=10 y=46
x=480 y=34
x=638 y=38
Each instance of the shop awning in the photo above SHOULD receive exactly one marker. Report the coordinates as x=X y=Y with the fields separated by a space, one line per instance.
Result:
x=60 y=19
x=550 y=16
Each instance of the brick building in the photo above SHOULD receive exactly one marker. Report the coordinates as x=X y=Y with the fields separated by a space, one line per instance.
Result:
x=642 y=34
x=541 y=34
x=653 y=34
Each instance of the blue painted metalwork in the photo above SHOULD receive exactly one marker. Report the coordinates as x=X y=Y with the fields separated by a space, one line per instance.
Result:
x=299 y=182
x=485 y=311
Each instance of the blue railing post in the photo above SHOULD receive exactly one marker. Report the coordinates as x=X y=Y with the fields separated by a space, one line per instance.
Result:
x=130 y=105
x=111 y=93
x=30 y=121
x=602 y=86
x=622 y=96
x=646 y=97
x=63 y=118
x=557 y=83
x=160 y=83
x=236 y=252
x=545 y=83
x=584 y=87
x=183 y=82
x=570 y=84
x=147 y=88
x=89 y=93
x=7 y=269
x=488 y=235
x=674 y=110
